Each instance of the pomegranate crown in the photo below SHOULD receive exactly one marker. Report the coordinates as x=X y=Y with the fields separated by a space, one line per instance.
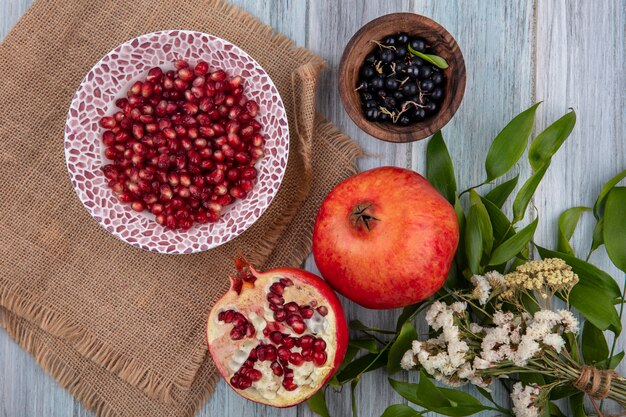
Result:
x=245 y=277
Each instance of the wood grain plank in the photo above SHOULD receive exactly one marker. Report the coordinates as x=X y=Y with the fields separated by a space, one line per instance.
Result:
x=331 y=25
x=581 y=61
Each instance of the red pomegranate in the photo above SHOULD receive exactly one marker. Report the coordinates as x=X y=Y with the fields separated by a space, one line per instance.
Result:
x=278 y=336
x=385 y=238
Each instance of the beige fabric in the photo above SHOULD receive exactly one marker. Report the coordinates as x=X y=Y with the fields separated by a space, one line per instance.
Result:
x=121 y=328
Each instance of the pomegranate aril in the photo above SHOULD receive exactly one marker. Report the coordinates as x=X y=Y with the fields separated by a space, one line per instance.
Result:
x=245 y=383
x=237 y=333
x=283 y=353
x=322 y=310
x=306 y=341
x=250 y=331
x=126 y=197
x=147 y=90
x=277 y=288
x=239 y=320
x=307 y=354
x=218 y=75
x=255 y=375
x=229 y=315
x=108 y=122
x=319 y=345
x=248 y=173
x=280 y=315
x=138 y=205
x=201 y=68
x=289 y=385
x=298 y=326
x=276 y=337
x=319 y=358
x=291 y=307
x=306 y=313
x=246 y=185
x=237 y=192
x=276 y=369
x=275 y=299
x=185 y=74
x=252 y=108
x=286 y=282
x=295 y=358
x=157 y=209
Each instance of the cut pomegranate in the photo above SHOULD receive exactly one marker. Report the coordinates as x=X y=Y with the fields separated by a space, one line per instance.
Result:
x=268 y=341
x=180 y=125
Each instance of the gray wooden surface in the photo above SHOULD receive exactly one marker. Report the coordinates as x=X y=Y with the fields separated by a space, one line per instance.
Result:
x=567 y=53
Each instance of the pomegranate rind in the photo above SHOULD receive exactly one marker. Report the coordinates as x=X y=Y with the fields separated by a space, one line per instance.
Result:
x=221 y=347
x=402 y=255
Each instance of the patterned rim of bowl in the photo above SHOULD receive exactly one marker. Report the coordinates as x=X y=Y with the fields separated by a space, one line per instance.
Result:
x=109 y=79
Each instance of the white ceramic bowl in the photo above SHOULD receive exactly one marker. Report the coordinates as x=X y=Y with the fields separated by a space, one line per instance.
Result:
x=110 y=79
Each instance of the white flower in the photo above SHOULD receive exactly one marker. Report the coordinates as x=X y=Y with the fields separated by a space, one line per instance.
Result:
x=481 y=289
x=408 y=360
x=547 y=316
x=459 y=307
x=523 y=398
x=555 y=341
x=475 y=328
x=480 y=363
x=569 y=322
x=416 y=346
x=495 y=279
x=500 y=318
x=525 y=350
x=435 y=309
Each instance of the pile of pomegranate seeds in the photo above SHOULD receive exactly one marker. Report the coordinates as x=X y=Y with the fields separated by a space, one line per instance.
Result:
x=183 y=144
x=282 y=350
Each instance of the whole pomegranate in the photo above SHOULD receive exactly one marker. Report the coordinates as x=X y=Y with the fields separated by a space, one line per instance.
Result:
x=278 y=336
x=385 y=238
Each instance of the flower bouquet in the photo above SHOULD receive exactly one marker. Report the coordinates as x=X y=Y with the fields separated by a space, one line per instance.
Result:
x=511 y=312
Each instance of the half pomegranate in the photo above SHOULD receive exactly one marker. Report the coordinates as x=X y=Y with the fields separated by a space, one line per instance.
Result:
x=278 y=336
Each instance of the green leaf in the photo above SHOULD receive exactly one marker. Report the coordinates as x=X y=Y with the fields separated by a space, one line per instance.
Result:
x=473 y=240
x=550 y=140
x=358 y=325
x=366 y=363
x=508 y=147
x=317 y=403
x=424 y=394
x=597 y=207
x=594 y=294
x=594 y=346
x=554 y=410
x=353 y=385
x=403 y=343
x=439 y=168
x=407 y=313
x=577 y=405
x=400 y=410
x=567 y=225
x=571 y=343
x=366 y=343
x=598 y=236
x=499 y=194
x=615 y=230
x=502 y=227
x=486 y=230
x=436 y=60
x=526 y=193
x=612 y=362
x=513 y=245
x=449 y=402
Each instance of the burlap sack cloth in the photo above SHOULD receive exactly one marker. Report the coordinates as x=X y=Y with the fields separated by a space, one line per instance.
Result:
x=120 y=328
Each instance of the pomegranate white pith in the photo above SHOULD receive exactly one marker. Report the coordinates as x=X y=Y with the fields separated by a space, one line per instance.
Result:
x=277 y=337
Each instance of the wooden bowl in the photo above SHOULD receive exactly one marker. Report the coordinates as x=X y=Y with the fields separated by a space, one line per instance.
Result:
x=440 y=41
